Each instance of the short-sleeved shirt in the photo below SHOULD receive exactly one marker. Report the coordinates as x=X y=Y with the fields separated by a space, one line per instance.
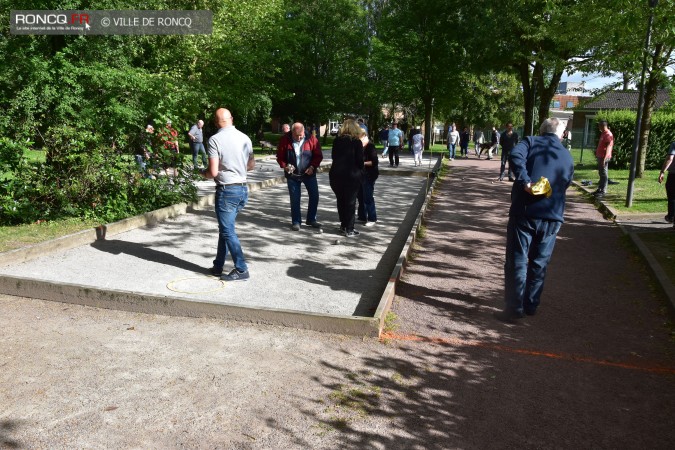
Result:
x=197 y=133
x=671 y=151
x=605 y=145
x=417 y=141
x=395 y=137
x=233 y=150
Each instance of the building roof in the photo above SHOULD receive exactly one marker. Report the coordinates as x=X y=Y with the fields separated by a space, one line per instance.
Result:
x=623 y=100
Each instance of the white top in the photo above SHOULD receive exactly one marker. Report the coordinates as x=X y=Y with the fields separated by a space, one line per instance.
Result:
x=454 y=137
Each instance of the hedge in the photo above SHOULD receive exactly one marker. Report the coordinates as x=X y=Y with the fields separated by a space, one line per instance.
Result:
x=622 y=125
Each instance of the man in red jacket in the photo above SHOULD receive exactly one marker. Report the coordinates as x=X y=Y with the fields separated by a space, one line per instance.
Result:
x=300 y=155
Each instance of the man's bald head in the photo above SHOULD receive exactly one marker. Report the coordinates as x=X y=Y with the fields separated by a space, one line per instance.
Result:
x=223 y=117
x=298 y=131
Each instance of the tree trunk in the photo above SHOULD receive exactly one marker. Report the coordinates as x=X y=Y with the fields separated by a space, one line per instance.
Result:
x=651 y=86
x=524 y=74
x=546 y=93
x=427 y=121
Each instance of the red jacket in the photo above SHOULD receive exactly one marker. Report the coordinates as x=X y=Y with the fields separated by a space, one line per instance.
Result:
x=311 y=154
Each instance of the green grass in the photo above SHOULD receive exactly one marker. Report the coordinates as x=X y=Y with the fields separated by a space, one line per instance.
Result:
x=35 y=155
x=12 y=237
x=662 y=246
x=648 y=195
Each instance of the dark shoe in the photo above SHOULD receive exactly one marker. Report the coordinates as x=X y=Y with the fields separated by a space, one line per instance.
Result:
x=507 y=316
x=361 y=221
x=512 y=179
x=351 y=233
x=215 y=271
x=531 y=312
x=612 y=182
x=314 y=224
x=669 y=219
x=500 y=179
x=598 y=194
x=235 y=275
x=295 y=227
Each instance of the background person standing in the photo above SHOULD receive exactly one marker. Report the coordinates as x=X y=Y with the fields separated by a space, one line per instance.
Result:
x=508 y=141
x=300 y=155
x=197 y=144
x=464 y=142
x=453 y=141
x=366 y=211
x=478 y=139
x=384 y=140
x=395 y=141
x=346 y=173
x=603 y=154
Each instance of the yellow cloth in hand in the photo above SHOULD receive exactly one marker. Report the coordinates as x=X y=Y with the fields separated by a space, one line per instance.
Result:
x=542 y=187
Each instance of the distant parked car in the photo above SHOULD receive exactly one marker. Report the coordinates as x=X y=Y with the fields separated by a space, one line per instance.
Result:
x=334 y=130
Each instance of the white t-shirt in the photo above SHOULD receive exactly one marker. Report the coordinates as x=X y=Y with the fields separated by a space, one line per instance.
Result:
x=454 y=137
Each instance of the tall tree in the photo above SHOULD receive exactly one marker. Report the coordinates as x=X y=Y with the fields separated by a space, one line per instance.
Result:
x=321 y=58
x=421 y=40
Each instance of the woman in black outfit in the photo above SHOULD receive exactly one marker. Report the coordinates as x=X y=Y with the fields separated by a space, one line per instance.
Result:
x=346 y=173
x=367 y=213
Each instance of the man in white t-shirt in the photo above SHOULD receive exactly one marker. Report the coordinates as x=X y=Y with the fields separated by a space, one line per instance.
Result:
x=453 y=141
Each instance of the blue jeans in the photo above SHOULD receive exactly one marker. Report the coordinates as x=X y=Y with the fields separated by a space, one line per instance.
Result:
x=366 y=209
x=502 y=167
x=451 y=150
x=529 y=246
x=294 y=191
x=229 y=201
x=197 y=148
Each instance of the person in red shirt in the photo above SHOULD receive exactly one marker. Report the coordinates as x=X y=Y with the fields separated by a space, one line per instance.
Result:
x=603 y=154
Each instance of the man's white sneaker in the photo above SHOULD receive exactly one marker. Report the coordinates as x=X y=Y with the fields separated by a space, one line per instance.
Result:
x=370 y=224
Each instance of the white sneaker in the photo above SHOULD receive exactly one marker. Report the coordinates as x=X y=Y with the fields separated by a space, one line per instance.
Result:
x=370 y=224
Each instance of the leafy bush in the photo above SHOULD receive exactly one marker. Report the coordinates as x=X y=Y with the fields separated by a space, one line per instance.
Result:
x=82 y=178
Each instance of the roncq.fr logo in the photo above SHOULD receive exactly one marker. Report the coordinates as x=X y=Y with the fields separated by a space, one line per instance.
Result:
x=51 y=19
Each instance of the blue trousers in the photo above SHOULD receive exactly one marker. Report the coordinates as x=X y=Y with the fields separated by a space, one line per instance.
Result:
x=529 y=246
x=366 y=209
x=197 y=148
x=294 y=191
x=230 y=200
x=451 y=150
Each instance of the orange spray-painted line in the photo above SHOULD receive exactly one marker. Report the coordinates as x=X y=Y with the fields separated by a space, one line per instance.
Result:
x=561 y=356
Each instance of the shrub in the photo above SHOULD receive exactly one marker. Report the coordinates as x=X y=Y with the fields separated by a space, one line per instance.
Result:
x=83 y=178
x=622 y=124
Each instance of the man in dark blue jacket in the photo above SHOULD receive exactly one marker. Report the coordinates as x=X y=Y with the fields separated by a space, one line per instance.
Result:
x=299 y=155
x=534 y=218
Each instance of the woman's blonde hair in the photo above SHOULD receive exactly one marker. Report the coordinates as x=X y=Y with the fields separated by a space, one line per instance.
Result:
x=350 y=128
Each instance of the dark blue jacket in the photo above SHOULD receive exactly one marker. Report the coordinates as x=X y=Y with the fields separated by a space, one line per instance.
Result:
x=531 y=159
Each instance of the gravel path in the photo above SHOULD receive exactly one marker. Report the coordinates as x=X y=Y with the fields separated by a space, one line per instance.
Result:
x=593 y=369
